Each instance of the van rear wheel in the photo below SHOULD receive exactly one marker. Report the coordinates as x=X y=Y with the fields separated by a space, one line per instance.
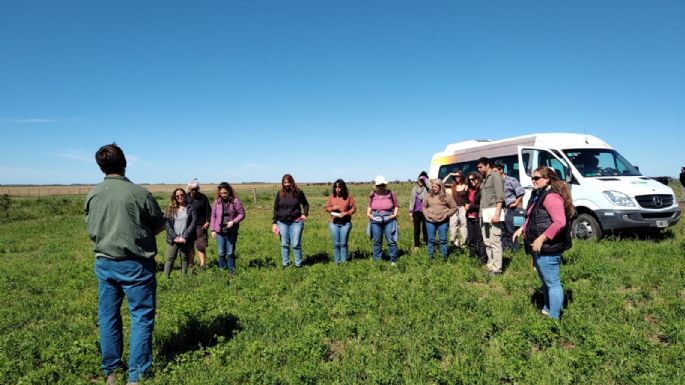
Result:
x=585 y=226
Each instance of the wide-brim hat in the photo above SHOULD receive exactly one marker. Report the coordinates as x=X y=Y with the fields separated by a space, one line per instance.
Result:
x=380 y=179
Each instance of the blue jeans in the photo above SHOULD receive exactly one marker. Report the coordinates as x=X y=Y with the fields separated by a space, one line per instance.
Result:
x=547 y=267
x=441 y=228
x=135 y=279
x=291 y=234
x=226 y=244
x=378 y=230
x=340 y=234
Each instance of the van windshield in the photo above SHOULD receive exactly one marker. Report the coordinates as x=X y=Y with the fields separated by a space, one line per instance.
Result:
x=600 y=162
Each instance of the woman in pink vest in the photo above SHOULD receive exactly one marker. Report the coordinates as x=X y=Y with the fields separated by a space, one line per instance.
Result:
x=382 y=212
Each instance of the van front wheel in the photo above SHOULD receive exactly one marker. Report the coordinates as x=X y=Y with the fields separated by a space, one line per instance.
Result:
x=585 y=226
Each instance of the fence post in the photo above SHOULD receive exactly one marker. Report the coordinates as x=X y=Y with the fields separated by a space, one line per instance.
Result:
x=254 y=195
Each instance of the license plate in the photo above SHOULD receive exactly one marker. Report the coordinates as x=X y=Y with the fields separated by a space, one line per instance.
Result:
x=661 y=224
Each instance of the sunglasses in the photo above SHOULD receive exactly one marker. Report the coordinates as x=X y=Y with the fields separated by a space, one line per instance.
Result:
x=472 y=179
x=536 y=178
x=180 y=195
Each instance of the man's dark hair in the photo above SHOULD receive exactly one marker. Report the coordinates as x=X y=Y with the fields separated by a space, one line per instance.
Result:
x=499 y=166
x=484 y=161
x=111 y=159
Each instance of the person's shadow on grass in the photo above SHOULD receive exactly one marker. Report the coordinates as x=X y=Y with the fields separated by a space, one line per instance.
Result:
x=197 y=334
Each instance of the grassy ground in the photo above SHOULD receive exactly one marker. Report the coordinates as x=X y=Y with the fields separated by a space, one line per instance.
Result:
x=417 y=323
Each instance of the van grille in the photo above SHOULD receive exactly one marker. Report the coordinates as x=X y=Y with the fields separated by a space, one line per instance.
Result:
x=655 y=201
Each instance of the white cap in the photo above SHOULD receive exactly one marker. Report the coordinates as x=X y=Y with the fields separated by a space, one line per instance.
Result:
x=193 y=184
x=380 y=179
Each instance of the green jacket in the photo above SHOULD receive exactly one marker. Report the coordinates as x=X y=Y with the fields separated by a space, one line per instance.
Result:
x=122 y=219
x=492 y=190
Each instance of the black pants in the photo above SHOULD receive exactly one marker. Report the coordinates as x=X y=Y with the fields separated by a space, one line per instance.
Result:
x=508 y=231
x=474 y=240
x=419 y=227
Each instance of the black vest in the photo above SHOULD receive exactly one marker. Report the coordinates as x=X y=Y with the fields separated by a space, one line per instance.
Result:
x=539 y=221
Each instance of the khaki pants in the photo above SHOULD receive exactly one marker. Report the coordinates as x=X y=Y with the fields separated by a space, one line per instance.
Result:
x=458 y=227
x=492 y=237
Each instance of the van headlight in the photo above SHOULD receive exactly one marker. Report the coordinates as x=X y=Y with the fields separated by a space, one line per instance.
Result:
x=619 y=199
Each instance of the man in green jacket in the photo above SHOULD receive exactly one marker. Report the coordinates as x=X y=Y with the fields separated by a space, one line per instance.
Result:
x=123 y=219
x=491 y=207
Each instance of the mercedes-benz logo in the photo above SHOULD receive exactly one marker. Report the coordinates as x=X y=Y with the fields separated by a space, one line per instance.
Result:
x=657 y=201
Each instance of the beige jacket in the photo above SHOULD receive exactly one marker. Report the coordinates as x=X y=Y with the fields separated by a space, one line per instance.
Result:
x=438 y=207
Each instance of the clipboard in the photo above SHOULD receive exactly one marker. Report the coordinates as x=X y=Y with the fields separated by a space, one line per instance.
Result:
x=487 y=214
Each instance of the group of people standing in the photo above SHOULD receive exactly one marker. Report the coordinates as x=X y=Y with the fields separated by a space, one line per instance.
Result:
x=123 y=219
x=480 y=215
x=478 y=210
x=187 y=219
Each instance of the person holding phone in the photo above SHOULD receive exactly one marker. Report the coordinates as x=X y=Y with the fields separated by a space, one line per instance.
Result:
x=382 y=213
x=341 y=206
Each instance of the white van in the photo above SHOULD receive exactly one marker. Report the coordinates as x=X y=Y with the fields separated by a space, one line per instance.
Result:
x=609 y=193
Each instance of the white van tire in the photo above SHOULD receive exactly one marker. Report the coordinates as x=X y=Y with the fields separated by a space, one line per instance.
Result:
x=585 y=226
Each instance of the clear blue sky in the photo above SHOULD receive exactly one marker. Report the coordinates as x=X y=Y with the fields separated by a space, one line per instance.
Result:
x=248 y=90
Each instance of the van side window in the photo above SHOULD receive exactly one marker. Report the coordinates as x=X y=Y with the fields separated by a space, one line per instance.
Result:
x=526 y=156
x=444 y=170
x=510 y=163
x=557 y=166
x=464 y=167
x=533 y=158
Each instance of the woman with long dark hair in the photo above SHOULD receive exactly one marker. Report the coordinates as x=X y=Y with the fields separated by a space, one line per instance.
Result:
x=474 y=237
x=341 y=206
x=180 y=231
x=227 y=213
x=546 y=234
x=290 y=211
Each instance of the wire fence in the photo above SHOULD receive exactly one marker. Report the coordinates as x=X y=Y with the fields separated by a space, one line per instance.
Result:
x=45 y=191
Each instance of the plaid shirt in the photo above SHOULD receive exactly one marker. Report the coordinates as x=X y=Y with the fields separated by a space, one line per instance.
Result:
x=512 y=190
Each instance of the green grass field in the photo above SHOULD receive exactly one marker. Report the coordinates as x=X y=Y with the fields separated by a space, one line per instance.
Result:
x=361 y=323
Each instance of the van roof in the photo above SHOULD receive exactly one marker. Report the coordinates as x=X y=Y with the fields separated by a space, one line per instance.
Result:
x=553 y=140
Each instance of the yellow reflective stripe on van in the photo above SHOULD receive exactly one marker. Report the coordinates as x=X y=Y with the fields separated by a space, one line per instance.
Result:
x=445 y=160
